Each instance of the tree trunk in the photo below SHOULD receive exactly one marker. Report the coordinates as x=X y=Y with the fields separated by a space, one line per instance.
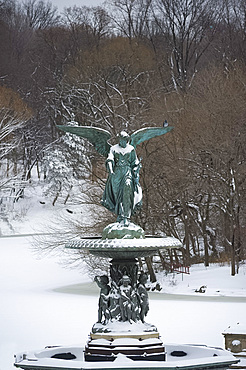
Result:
x=162 y=259
x=150 y=269
x=187 y=242
x=233 y=259
x=57 y=194
x=206 y=246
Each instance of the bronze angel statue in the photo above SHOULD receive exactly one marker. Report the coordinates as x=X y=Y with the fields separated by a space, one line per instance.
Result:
x=122 y=194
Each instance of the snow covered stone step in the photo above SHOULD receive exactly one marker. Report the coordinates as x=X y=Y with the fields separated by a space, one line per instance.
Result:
x=127 y=342
x=135 y=349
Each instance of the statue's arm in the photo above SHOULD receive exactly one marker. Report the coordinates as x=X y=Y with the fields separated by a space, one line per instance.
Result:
x=110 y=167
x=135 y=166
x=110 y=161
x=133 y=159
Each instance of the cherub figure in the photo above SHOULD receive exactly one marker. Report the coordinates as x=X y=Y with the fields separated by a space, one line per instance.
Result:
x=143 y=296
x=126 y=299
x=103 y=304
x=122 y=194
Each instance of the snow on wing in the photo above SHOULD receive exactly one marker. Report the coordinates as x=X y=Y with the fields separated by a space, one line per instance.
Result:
x=98 y=137
x=147 y=133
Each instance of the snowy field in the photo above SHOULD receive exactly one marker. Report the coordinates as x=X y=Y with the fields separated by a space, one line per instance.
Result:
x=36 y=310
x=43 y=303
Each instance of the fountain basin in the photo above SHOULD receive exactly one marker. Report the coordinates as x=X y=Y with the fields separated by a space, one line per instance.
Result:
x=124 y=248
x=178 y=356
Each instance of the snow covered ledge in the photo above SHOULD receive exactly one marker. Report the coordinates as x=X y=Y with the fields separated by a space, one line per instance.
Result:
x=235 y=342
x=179 y=356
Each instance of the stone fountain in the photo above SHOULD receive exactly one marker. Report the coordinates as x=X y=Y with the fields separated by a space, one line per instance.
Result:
x=123 y=303
x=121 y=338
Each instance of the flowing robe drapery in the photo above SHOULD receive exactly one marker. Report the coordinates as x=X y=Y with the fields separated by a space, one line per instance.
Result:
x=122 y=194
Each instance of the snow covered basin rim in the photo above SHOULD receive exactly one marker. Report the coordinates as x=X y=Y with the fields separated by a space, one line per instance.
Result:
x=196 y=355
x=149 y=243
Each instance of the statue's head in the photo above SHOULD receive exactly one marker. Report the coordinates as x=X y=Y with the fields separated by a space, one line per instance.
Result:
x=124 y=138
x=104 y=279
x=125 y=280
x=143 y=278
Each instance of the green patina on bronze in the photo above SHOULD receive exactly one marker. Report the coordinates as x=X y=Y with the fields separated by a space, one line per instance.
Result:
x=122 y=194
x=118 y=231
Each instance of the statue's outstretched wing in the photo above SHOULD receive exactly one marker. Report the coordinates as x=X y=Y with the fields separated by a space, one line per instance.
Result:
x=147 y=133
x=98 y=137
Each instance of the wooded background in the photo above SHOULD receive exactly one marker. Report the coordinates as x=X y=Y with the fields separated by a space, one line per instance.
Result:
x=127 y=65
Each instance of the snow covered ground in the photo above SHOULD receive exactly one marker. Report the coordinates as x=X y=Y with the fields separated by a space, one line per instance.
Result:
x=36 y=310
x=33 y=315
x=215 y=280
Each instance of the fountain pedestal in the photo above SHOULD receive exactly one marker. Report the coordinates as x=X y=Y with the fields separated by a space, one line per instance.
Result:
x=123 y=305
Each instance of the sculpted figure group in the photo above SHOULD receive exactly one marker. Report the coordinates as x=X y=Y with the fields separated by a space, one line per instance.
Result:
x=123 y=303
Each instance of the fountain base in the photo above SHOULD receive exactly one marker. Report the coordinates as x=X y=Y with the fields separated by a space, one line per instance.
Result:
x=178 y=356
x=137 y=341
x=136 y=349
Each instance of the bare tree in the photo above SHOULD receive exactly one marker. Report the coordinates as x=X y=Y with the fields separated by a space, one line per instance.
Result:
x=39 y=14
x=230 y=43
x=109 y=88
x=189 y=28
x=9 y=123
x=87 y=24
x=130 y=18
x=14 y=114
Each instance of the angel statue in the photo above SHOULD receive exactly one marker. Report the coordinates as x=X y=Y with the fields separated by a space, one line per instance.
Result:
x=122 y=194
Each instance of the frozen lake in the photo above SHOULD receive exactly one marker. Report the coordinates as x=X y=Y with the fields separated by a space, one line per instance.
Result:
x=36 y=310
